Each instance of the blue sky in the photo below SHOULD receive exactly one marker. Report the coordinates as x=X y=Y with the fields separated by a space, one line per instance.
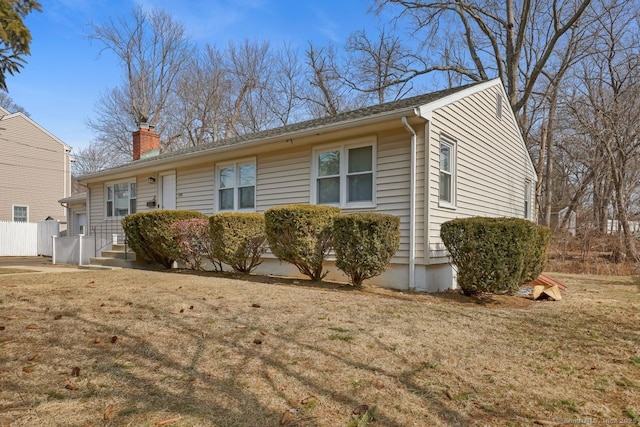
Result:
x=67 y=73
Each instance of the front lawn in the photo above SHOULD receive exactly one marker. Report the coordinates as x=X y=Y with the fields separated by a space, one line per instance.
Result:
x=143 y=348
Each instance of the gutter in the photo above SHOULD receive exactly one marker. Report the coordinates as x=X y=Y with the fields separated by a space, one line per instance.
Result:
x=412 y=206
x=154 y=164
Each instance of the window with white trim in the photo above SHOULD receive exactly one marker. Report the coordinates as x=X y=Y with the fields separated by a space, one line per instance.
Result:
x=527 y=199
x=20 y=213
x=344 y=175
x=447 y=172
x=121 y=199
x=236 y=186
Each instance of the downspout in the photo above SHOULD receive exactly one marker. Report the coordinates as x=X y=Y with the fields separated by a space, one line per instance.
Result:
x=412 y=206
x=64 y=189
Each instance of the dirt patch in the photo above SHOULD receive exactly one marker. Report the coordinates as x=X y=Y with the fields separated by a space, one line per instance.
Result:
x=131 y=347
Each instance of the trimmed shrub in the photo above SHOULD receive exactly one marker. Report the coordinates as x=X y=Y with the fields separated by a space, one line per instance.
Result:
x=536 y=260
x=238 y=239
x=495 y=255
x=364 y=244
x=193 y=240
x=150 y=236
x=301 y=235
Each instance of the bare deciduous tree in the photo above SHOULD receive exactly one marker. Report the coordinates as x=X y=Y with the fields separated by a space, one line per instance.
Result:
x=200 y=95
x=608 y=109
x=152 y=48
x=326 y=93
x=94 y=158
x=379 y=66
x=250 y=68
x=499 y=38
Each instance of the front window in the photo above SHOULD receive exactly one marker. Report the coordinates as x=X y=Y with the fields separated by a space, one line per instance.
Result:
x=446 y=172
x=345 y=175
x=527 y=199
x=329 y=177
x=360 y=174
x=121 y=199
x=237 y=186
x=21 y=213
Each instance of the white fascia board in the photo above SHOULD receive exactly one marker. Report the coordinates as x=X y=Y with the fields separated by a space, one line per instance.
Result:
x=426 y=110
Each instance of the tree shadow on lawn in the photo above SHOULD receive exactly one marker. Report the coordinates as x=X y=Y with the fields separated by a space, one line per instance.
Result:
x=445 y=297
x=275 y=280
x=146 y=382
x=484 y=300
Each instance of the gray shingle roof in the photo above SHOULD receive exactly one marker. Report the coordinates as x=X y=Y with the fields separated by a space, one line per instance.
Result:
x=362 y=113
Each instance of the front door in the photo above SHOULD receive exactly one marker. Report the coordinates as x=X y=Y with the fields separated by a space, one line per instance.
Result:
x=168 y=199
x=80 y=223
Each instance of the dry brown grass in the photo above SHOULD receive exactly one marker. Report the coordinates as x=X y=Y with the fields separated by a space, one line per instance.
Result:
x=187 y=352
x=10 y=270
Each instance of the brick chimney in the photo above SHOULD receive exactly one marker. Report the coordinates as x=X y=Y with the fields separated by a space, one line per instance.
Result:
x=146 y=143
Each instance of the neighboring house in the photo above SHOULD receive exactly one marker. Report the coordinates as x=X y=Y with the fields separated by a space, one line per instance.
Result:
x=35 y=171
x=427 y=159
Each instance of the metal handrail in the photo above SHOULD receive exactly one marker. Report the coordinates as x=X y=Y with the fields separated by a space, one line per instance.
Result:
x=105 y=233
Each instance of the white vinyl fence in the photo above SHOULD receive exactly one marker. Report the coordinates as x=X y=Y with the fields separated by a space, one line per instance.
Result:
x=27 y=238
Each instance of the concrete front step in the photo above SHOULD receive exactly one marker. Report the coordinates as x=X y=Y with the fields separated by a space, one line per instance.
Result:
x=98 y=267
x=111 y=262
x=119 y=254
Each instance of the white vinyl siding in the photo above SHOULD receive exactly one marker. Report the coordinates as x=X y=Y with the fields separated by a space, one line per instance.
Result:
x=491 y=164
x=283 y=178
x=147 y=193
x=196 y=189
x=393 y=184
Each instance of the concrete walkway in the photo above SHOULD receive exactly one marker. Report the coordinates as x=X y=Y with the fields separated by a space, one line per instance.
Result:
x=34 y=265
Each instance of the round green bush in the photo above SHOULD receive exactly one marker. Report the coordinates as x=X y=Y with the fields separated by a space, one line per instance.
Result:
x=150 y=236
x=495 y=255
x=238 y=239
x=365 y=243
x=301 y=235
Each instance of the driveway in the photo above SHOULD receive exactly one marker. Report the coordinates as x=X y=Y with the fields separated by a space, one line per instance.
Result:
x=26 y=261
x=35 y=263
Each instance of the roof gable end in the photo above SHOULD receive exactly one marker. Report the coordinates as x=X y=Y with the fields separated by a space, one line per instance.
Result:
x=36 y=125
x=426 y=110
